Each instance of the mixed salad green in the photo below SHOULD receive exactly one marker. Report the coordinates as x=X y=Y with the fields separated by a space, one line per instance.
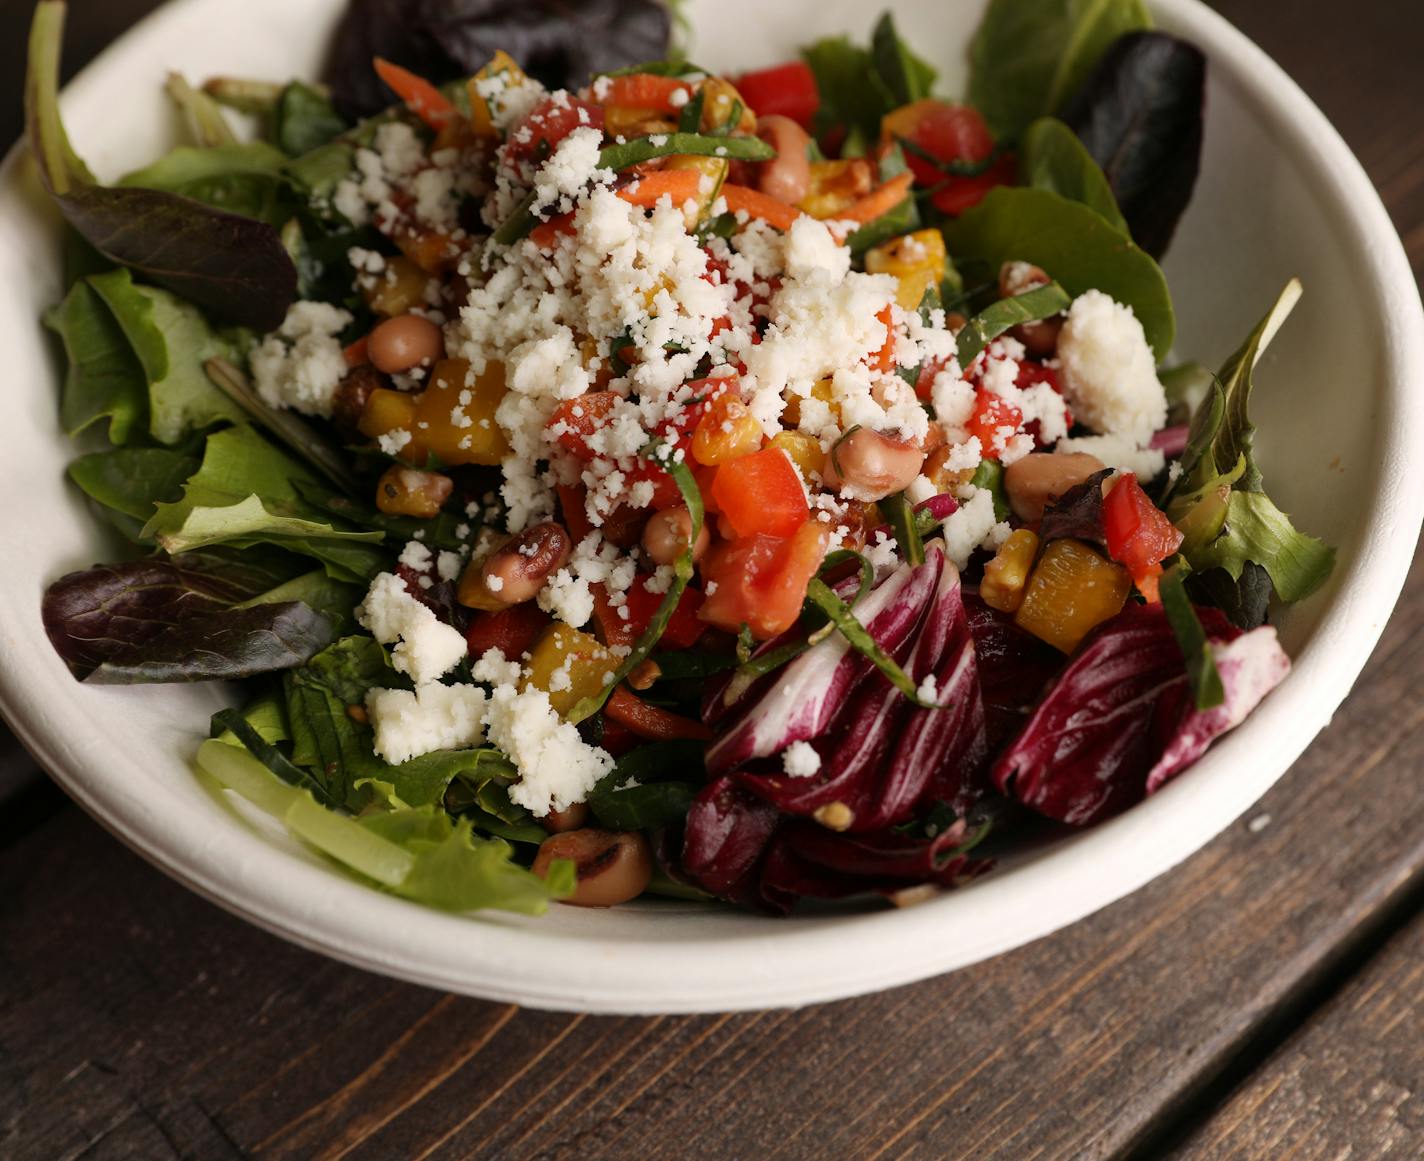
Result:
x=610 y=478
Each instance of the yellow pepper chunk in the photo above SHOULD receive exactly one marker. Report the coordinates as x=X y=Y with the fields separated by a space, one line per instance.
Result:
x=575 y=662
x=804 y=451
x=1072 y=590
x=455 y=415
x=836 y=186
x=918 y=260
x=1006 y=576
x=388 y=411
x=821 y=391
x=720 y=100
x=481 y=117
x=397 y=288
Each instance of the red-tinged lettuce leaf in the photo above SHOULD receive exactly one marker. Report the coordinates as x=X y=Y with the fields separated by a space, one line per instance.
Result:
x=1013 y=667
x=1078 y=513
x=1140 y=116
x=236 y=267
x=561 y=44
x=159 y=620
x=1121 y=715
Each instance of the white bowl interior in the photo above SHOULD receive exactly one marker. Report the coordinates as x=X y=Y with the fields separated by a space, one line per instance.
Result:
x=1280 y=196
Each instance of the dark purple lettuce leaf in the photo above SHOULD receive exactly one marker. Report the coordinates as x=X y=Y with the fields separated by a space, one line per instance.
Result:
x=1245 y=601
x=1078 y=513
x=1119 y=720
x=173 y=620
x=1013 y=668
x=1140 y=115
x=560 y=42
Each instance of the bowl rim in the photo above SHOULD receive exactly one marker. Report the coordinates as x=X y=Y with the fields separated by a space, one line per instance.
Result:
x=802 y=961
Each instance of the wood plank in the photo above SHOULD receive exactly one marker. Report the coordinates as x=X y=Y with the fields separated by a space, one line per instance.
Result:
x=132 y=1008
x=1349 y=1083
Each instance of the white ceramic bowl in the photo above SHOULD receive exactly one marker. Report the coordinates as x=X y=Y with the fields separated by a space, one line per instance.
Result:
x=1342 y=446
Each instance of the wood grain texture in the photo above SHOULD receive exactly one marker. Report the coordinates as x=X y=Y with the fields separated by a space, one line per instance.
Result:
x=1350 y=1083
x=137 y=1021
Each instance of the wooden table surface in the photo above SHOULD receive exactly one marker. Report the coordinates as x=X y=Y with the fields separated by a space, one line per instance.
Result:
x=1261 y=1001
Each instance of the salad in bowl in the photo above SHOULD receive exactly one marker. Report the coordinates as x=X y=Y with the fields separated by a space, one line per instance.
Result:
x=770 y=487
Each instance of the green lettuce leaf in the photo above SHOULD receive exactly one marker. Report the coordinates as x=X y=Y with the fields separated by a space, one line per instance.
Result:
x=1074 y=244
x=1219 y=500
x=103 y=379
x=1030 y=57
x=172 y=340
x=1051 y=157
x=131 y=481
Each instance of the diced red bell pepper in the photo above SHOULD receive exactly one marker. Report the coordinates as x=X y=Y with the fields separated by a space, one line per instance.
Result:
x=760 y=581
x=995 y=420
x=513 y=631
x=761 y=494
x=651 y=721
x=787 y=90
x=1139 y=535
x=534 y=138
x=683 y=628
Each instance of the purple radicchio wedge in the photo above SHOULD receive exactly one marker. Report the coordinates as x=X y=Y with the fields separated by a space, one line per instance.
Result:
x=807 y=861
x=808 y=693
x=940 y=753
x=1013 y=667
x=856 y=747
x=1120 y=715
x=725 y=836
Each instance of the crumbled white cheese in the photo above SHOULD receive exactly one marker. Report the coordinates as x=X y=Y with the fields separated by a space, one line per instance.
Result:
x=433 y=717
x=1109 y=372
x=557 y=767
x=800 y=760
x=973 y=525
x=300 y=365
x=425 y=647
x=493 y=668
x=415 y=555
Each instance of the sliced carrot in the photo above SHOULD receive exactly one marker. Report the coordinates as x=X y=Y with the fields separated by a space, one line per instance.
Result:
x=355 y=354
x=651 y=721
x=770 y=210
x=884 y=359
x=644 y=91
x=420 y=96
x=879 y=201
x=546 y=234
x=678 y=184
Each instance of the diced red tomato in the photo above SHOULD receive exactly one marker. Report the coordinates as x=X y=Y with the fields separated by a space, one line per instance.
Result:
x=761 y=494
x=574 y=510
x=550 y=122
x=513 y=631
x=578 y=419
x=995 y=419
x=924 y=385
x=949 y=133
x=1030 y=375
x=1139 y=535
x=788 y=90
x=683 y=628
x=760 y=581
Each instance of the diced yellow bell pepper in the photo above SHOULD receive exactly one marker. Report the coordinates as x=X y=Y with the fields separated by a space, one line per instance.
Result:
x=836 y=186
x=583 y=663
x=820 y=390
x=719 y=100
x=388 y=411
x=1072 y=590
x=1006 y=576
x=918 y=260
x=457 y=429
x=400 y=286
x=804 y=450
x=481 y=118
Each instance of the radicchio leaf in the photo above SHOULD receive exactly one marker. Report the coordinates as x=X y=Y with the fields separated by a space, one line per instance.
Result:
x=1013 y=667
x=1140 y=116
x=559 y=43
x=727 y=833
x=1119 y=720
x=169 y=620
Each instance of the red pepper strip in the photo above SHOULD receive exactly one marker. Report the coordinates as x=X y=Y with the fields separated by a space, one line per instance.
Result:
x=650 y=721
x=420 y=96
